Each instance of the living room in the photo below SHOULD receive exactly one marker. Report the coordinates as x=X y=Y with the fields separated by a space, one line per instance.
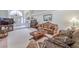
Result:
x=39 y=29
x=25 y=26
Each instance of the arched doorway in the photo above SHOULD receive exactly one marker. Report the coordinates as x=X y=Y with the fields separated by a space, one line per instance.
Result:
x=18 y=18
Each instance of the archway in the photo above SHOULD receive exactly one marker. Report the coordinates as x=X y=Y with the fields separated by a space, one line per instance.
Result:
x=18 y=17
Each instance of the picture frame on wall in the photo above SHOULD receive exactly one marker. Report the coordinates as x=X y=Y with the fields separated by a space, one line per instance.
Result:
x=47 y=17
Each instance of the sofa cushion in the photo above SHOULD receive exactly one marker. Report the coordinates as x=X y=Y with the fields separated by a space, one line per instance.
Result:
x=76 y=39
x=48 y=27
x=66 y=33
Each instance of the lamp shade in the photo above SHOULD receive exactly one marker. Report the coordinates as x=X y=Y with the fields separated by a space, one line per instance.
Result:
x=74 y=21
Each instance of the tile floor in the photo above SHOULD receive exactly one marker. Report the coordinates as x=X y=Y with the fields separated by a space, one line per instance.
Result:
x=17 y=38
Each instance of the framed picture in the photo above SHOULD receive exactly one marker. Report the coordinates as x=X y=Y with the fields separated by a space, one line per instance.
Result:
x=47 y=17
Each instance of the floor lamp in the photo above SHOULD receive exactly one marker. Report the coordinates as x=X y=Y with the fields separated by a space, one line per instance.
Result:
x=74 y=21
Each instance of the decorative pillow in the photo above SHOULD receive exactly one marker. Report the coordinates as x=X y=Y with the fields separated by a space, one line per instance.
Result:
x=48 y=44
x=66 y=33
x=59 y=42
x=65 y=40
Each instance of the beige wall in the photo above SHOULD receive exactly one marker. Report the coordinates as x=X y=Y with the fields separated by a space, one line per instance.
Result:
x=3 y=13
x=60 y=17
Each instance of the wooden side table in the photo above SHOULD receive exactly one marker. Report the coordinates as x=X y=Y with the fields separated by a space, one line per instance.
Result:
x=3 y=31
